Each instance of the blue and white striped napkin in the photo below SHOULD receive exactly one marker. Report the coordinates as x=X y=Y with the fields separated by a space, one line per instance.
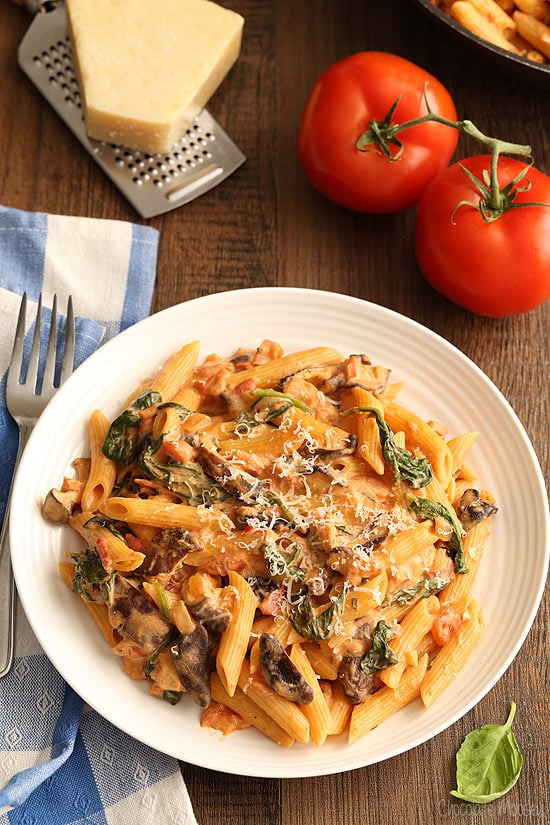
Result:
x=60 y=762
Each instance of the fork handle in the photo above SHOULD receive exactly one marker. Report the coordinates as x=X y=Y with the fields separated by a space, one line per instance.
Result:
x=7 y=604
x=7 y=583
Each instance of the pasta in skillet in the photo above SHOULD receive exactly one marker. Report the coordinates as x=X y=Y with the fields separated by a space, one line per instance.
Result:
x=274 y=535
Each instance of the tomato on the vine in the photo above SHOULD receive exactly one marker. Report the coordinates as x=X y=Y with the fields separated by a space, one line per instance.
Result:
x=494 y=265
x=353 y=100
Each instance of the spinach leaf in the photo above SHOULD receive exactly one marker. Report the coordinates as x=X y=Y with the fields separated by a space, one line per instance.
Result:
x=488 y=763
x=319 y=627
x=187 y=480
x=121 y=441
x=416 y=471
x=151 y=662
x=380 y=655
x=90 y=578
x=425 y=508
x=420 y=590
x=294 y=519
x=146 y=399
x=172 y=696
x=283 y=396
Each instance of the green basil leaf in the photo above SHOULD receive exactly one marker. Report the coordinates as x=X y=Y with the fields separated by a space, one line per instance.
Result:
x=380 y=654
x=488 y=763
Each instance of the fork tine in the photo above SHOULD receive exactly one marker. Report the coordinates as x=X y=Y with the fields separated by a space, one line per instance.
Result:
x=34 y=360
x=68 y=356
x=49 y=366
x=17 y=353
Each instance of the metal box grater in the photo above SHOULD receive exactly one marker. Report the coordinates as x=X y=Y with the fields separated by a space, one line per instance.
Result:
x=203 y=157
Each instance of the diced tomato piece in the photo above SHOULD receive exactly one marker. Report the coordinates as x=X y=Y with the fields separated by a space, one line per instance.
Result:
x=103 y=551
x=272 y=604
x=447 y=622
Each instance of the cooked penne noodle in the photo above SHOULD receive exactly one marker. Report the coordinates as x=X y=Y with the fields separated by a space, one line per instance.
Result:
x=157 y=513
x=534 y=31
x=176 y=372
x=423 y=437
x=474 y=544
x=460 y=447
x=284 y=712
x=318 y=711
x=463 y=12
x=102 y=472
x=413 y=628
x=116 y=554
x=97 y=611
x=453 y=656
x=381 y=705
x=496 y=15
x=340 y=711
x=402 y=546
x=268 y=374
x=234 y=640
x=250 y=711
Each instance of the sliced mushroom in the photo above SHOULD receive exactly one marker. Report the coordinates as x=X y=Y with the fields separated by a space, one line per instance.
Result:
x=135 y=616
x=360 y=372
x=281 y=673
x=58 y=505
x=192 y=653
x=473 y=508
x=267 y=516
x=348 y=447
x=167 y=549
x=262 y=586
x=374 y=533
x=212 y=615
x=236 y=482
x=356 y=684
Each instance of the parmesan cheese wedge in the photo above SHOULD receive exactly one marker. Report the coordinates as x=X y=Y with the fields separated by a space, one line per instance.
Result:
x=146 y=68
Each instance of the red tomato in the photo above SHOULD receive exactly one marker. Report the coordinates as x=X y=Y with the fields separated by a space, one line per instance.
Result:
x=343 y=102
x=497 y=268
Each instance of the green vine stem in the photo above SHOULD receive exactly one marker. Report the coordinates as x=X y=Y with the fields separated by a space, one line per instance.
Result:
x=381 y=136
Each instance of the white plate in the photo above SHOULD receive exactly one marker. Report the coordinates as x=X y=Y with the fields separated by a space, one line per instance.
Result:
x=441 y=384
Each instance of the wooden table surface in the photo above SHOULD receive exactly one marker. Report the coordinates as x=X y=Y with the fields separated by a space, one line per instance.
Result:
x=265 y=226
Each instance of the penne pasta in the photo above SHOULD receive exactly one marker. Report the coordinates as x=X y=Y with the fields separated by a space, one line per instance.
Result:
x=453 y=656
x=250 y=711
x=102 y=472
x=386 y=701
x=279 y=537
x=284 y=712
x=318 y=711
x=234 y=640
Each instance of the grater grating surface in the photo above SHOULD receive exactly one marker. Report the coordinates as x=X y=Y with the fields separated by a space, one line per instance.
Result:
x=203 y=157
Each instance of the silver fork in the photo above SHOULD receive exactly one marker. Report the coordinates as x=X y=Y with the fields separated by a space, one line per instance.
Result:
x=26 y=399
